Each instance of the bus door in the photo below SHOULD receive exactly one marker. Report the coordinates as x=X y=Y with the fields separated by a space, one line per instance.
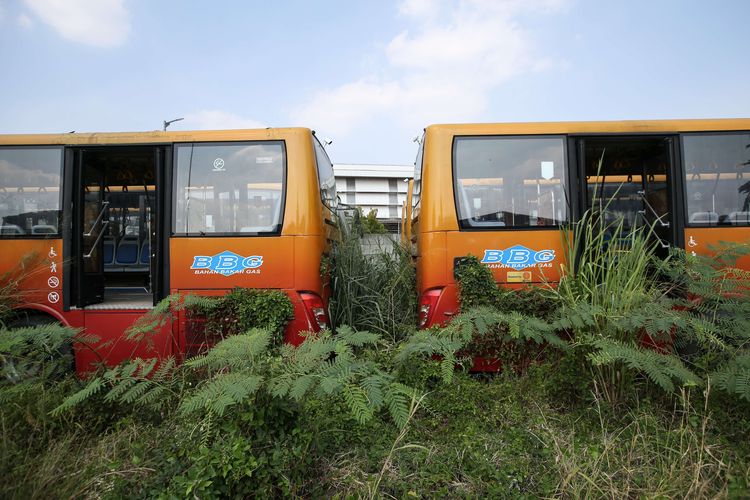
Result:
x=117 y=238
x=89 y=227
x=631 y=179
x=158 y=237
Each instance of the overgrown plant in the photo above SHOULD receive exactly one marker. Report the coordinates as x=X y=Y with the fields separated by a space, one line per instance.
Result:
x=612 y=305
x=628 y=311
x=243 y=309
x=373 y=292
x=482 y=331
x=369 y=223
x=10 y=283
x=33 y=355
x=477 y=287
x=236 y=369
x=713 y=296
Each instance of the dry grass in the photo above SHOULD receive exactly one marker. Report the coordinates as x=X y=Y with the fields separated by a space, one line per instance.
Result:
x=644 y=458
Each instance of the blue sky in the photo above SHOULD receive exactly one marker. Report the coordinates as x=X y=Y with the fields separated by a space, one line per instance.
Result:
x=369 y=75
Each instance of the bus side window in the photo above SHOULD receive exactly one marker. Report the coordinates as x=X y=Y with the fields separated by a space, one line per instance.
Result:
x=717 y=178
x=416 y=193
x=229 y=188
x=30 y=191
x=326 y=176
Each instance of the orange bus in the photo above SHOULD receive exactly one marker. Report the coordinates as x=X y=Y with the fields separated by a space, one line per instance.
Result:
x=502 y=191
x=118 y=221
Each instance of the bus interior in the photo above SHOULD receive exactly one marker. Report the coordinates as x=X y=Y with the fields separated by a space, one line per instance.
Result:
x=628 y=180
x=116 y=218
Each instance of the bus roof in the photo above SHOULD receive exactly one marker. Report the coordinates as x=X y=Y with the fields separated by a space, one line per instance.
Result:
x=593 y=127
x=152 y=137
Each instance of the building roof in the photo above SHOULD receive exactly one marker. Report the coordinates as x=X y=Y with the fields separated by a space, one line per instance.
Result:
x=370 y=170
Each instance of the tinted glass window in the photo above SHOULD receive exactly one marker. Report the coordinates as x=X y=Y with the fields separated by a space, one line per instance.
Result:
x=509 y=181
x=229 y=187
x=416 y=190
x=717 y=170
x=30 y=191
x=325 y=174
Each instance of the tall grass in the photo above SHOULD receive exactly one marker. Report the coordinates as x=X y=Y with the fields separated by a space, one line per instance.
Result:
x=373 y=292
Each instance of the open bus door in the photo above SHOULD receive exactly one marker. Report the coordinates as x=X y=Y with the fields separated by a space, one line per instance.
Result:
x=89 y=226
x=157 y=222
x=632 y=178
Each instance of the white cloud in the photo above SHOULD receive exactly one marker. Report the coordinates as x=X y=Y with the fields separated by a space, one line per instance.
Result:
x=216 y=120
x=444 y=67
x=419 y=8
x=25 y=21
x=101 y=23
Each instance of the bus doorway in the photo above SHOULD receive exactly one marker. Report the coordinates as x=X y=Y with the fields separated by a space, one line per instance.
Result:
x=631 y=179
x=114 y=251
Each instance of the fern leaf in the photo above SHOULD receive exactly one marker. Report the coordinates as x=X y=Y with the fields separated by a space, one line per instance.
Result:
x=92 y=388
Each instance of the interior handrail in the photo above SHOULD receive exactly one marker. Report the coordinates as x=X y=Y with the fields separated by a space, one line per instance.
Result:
x=105 y=204
x=96 y=242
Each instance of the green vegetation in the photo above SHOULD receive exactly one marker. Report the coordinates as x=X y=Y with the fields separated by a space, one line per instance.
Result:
x=372 y=292
x=369 y=224
x=625 y=380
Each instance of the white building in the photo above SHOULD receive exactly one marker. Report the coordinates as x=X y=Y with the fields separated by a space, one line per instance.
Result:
x=380 y=187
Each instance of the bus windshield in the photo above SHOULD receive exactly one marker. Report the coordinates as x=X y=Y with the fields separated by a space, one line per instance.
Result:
x=228 y=188
x=509 y=181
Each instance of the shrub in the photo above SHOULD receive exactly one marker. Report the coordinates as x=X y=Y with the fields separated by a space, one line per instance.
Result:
x=369 y=224
x=245 y=308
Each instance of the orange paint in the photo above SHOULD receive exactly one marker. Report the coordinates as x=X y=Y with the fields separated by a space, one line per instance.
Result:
x=707 y=240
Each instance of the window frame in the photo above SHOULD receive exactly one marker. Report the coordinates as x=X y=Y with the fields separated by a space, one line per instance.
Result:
x=48 y=236
x=564 y=178
x=417 y=178
x=174 y=188
x=317 y=173
x=684 y=180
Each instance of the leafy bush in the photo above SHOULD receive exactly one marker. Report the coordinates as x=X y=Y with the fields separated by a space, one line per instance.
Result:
x=245 y=308
x=34 y=354
x=628 y=314
x=368 y=224
x=477 y=287
x=10 y=281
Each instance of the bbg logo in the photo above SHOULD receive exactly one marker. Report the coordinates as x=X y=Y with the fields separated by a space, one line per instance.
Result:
x=226 y=263
x=518 y=257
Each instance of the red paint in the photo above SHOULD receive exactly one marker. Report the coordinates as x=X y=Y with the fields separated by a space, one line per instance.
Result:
x=113 y=347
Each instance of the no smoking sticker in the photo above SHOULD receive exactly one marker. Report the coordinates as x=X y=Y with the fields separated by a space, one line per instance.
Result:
x=53 y=282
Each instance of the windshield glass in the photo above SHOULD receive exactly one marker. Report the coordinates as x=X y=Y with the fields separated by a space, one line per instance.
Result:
x=509 y=181
x=227 y=188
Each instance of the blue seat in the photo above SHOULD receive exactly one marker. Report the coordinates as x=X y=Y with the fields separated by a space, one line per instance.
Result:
x=109 y=251
x=145 y=253
x=127 y=251
x=43 y=229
